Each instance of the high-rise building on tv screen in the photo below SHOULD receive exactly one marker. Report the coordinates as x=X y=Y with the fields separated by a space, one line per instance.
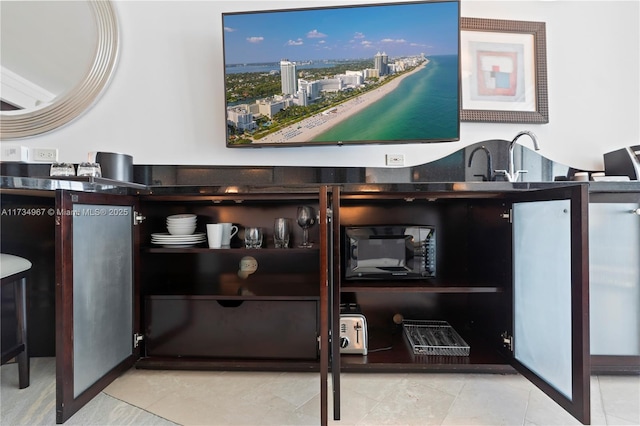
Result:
x=380 y=73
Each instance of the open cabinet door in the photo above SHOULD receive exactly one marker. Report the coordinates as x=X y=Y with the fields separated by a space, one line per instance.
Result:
x=325 y=252
x=97 y=313
x=334 y=239
x=550 y=340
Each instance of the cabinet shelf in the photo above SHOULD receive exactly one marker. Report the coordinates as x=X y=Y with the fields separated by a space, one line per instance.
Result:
x=417 y=286
x=393 y=353
x=232 y=300
x=198 y=363
x=233 y=251
x=230 y=287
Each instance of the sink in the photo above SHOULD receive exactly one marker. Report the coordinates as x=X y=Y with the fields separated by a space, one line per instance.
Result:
x=454 y=167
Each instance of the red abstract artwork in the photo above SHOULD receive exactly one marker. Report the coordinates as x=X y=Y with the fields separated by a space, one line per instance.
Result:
x=497 y=73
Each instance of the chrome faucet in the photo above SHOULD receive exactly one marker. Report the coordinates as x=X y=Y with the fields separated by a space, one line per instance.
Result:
x=489 y=175
x=513 y=175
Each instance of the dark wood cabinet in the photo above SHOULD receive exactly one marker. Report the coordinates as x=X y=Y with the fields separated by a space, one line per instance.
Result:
x=199 y=312
x=188 y=308
x=614 y=275
x=97 y=294
x=197 y=305
x=28 y=231
x=490 y=263
x=206 y=326
x=122 y=301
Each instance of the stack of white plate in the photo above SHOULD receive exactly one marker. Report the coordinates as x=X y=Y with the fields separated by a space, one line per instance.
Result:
x=181 y=229
x=177 y=241
x=181 y=224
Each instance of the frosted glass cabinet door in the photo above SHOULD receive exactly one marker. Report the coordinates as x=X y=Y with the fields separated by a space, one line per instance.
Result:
x=550 y=330
x=96 y=299
x=542 y=290
x=614 y=268
x=103 y=272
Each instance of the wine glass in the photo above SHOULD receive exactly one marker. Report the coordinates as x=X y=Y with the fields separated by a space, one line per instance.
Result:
x=281 y=231
x=306 y=219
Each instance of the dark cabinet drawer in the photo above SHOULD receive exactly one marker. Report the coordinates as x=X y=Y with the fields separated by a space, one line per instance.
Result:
x=206 y=326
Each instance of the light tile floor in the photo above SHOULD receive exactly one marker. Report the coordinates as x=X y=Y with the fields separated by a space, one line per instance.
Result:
x=151 y=397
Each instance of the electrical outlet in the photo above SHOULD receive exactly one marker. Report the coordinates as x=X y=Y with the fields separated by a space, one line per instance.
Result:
x=45 y=154
x=395 y=160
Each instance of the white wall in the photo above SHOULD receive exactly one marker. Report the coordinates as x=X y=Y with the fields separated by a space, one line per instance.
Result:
x=165 y=105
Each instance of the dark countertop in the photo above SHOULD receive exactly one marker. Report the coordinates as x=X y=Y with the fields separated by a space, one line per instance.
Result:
x=90 y=184
x=81 y=184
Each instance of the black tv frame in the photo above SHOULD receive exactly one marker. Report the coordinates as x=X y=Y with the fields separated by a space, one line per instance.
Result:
x=243 y=109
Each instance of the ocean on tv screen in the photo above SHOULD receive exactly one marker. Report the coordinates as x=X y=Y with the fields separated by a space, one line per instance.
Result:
x=388 y=90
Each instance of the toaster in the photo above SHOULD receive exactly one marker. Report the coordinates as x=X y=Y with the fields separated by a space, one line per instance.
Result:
x=353 y=334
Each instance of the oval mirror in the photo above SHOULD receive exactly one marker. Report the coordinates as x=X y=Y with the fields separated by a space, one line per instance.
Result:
x=56 y=57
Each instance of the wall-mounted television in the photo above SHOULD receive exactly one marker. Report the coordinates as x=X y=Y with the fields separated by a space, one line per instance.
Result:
x=375 y=73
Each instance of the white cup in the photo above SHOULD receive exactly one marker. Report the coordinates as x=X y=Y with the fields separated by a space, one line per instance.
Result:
x=228 y=231
x=214 y=235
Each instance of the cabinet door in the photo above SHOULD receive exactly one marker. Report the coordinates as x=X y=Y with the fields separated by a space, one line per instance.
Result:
x=325 y=274
x=96 y=297
x=550 y=340
x=334 y=260
x=614 y=268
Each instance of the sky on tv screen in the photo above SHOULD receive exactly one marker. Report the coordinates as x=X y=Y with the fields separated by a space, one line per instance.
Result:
x=342 y=33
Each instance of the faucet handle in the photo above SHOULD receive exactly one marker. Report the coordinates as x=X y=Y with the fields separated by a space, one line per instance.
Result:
x=503 y=173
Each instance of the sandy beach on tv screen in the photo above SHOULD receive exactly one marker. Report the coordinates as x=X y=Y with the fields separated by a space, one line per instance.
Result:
x=309 y=128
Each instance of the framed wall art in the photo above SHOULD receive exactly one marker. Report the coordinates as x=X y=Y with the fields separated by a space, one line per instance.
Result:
x=503 y=71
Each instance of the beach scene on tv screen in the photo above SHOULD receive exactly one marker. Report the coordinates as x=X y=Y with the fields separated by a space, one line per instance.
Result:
x=383 y=73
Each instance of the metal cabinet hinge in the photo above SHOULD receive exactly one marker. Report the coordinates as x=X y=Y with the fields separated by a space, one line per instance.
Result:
x=137 y=338
x=507 y=341
x=508 y=215
x=329 y=213
x=137 y=218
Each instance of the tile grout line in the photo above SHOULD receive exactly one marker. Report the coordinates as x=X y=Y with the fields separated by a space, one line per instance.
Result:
x=453 y=403
x=139 y=408
x=526 y=408
x=606 y=419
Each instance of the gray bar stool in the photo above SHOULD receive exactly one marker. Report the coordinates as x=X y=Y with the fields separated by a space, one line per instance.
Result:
x=14 y=270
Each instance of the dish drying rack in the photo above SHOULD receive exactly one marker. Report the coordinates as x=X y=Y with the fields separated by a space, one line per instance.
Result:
x=428 y=337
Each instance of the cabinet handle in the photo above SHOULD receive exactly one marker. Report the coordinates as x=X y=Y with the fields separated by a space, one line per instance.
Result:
x=230 y=303
x=636 y=211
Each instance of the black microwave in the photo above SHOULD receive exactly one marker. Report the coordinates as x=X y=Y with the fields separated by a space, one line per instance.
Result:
x=390 y=252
